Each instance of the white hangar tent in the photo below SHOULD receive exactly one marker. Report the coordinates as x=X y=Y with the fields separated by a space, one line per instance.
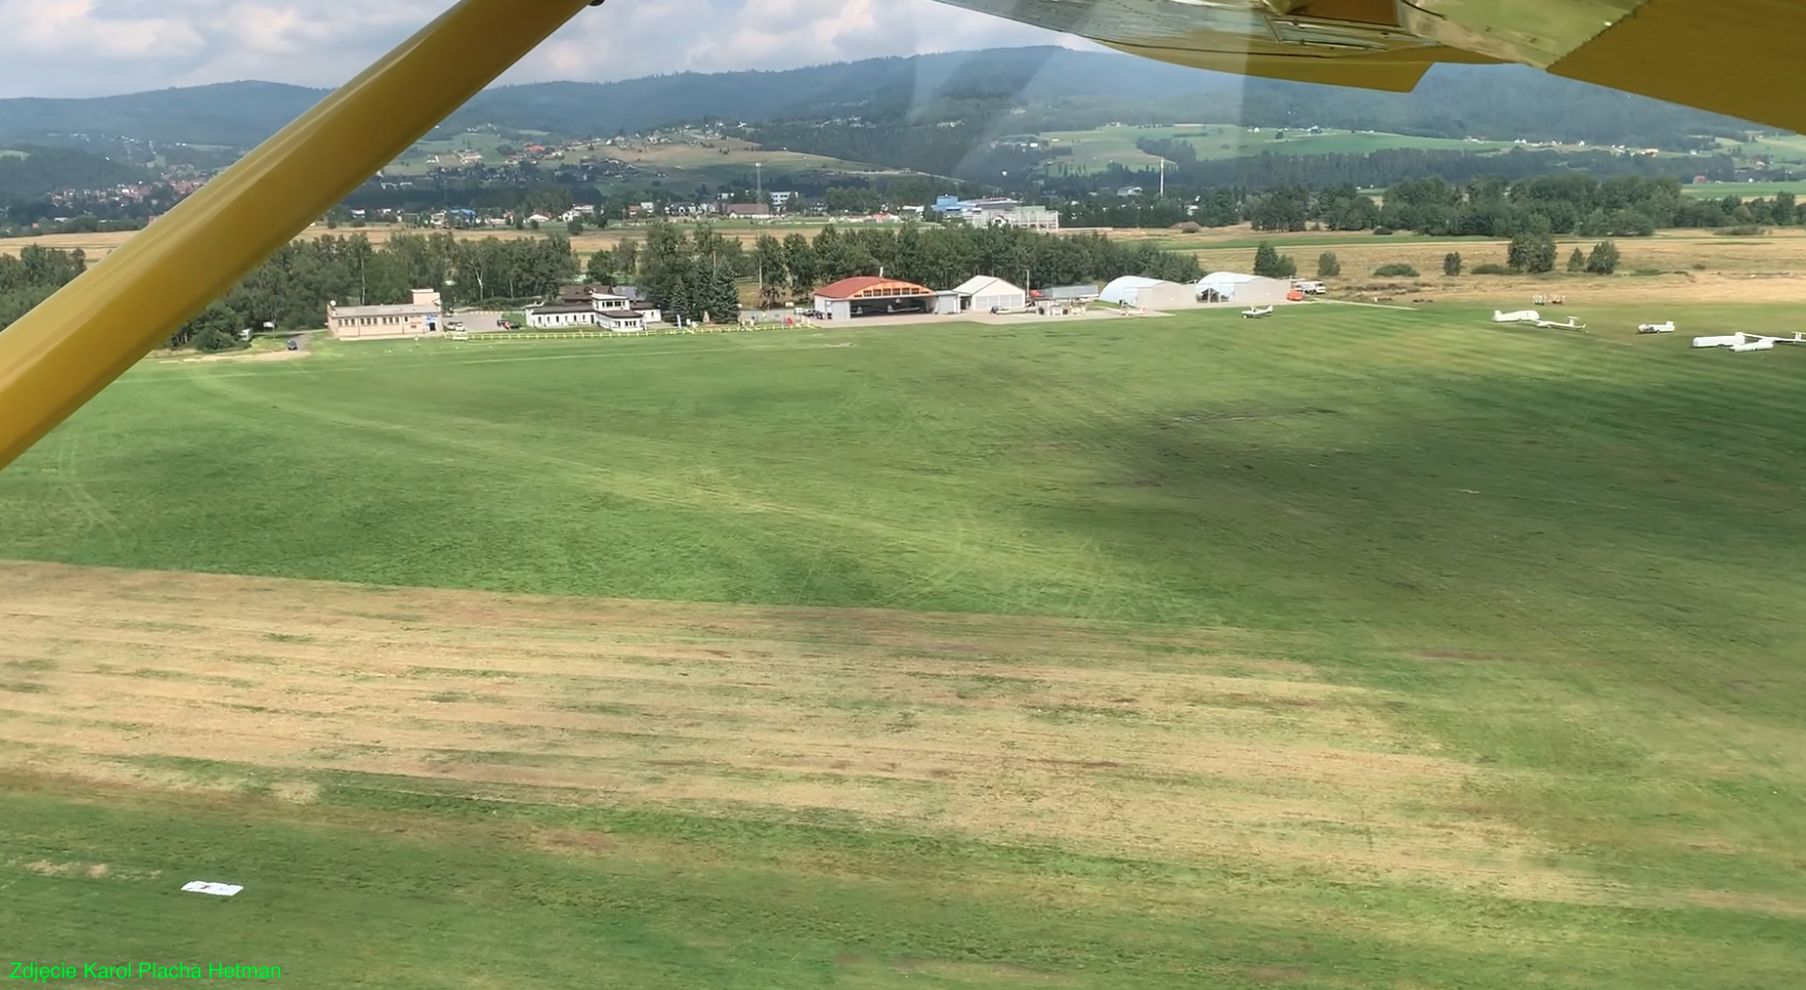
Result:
x=1251 y=290
x=1148 y=293
x=986 y=294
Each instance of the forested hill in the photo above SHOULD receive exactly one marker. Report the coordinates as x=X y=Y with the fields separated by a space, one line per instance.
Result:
x=27 y=172
x=1076 y=89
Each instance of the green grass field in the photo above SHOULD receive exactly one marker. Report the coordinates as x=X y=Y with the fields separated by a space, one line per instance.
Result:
x=1748 y=190
x=1535 y=592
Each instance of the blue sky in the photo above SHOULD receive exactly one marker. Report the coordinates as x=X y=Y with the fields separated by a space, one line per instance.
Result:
x=97 y=47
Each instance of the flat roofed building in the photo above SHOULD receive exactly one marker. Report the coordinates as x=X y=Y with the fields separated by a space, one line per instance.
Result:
x=576 y=316
x=1073 y=293
x=561 y=316
x=415 y=319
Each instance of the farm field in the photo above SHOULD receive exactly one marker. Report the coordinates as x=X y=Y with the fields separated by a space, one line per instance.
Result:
x=99 y=245
x=678 y=164
x=1748 y=190
x=1097 y=149
x=1368 y=647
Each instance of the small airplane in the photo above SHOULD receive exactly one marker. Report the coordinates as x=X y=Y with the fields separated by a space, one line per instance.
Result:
x=1572 y=324
x=1743 y=343
x=1656 y=327
x=1255 y=314
x=1521 y=316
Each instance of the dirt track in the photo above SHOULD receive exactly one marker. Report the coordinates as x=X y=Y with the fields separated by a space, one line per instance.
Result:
x=1175 y=744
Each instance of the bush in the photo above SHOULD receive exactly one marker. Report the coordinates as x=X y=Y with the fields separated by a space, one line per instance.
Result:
x=1328 y=265
x=1741 y=230
x=1491 y=269
x=1269 y=263
x=1395 y=271
x=1382 y=231
x=1532 y=251
x=1451 y=263
x=214 y=340
x=1577 y=262
x=1604 y=259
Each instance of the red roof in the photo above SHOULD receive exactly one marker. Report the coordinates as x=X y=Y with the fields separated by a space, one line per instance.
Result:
x=863 y=285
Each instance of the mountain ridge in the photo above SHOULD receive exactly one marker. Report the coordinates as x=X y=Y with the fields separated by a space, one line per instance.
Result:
x=1456 y=100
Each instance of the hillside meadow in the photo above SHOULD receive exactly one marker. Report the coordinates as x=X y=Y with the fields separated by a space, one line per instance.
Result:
x=1361 y=647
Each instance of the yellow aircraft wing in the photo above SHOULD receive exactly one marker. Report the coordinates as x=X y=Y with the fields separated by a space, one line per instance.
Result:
x=1736 y=57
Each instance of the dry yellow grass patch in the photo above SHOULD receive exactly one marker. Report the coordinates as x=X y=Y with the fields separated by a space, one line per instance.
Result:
x=1153 y=743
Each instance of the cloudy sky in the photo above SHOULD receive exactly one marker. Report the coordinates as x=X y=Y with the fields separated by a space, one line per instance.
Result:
x=98 y=47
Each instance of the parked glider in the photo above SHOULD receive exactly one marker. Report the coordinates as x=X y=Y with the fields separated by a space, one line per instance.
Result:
x=1572 y=324
x=1253 y=313
x=1656 y=327
x=1743 y=343
x=1521 y=316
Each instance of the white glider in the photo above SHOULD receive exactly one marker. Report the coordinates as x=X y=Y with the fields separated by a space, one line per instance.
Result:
x=1522 y=316
x=1255 y=314
x=1572 y=324
x=1656 y=327
x=1744 y=343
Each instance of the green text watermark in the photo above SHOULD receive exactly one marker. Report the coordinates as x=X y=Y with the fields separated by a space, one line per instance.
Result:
x=34 y=973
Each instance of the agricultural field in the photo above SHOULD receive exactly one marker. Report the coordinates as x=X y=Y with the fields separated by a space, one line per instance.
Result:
x=680 y=163
x=1096 y=150
x=1748 y=190
x=1678 y=266
x=1370 y=647
x=99 y=245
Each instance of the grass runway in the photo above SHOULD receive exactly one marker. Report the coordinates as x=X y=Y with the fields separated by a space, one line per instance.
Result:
x=1361 y=647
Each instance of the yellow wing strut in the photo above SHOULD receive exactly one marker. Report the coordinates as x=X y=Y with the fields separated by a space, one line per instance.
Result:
x=63 y=353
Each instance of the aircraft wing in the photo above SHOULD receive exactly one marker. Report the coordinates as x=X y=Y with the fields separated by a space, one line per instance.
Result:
x=1736 y=57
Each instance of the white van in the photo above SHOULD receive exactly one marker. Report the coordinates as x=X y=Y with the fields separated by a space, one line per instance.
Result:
x=1310 y=288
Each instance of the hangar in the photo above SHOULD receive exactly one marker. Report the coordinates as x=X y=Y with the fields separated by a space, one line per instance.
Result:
x=1149 y=293
x=992 y=295
x=1251 y=290
x=871 y=295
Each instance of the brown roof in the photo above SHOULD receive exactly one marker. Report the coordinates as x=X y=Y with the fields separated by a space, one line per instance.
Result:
x=860 y=286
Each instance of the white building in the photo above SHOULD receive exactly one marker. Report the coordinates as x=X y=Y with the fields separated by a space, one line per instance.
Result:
x=588 y=305
x=985 y=294
x=1148 y=293
x=1248 y=290
x=561 y=316
x=575 y=316
x=416 y=319
x=1008 y=213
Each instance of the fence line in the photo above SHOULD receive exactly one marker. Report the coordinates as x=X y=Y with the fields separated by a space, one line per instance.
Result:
x=501 y=335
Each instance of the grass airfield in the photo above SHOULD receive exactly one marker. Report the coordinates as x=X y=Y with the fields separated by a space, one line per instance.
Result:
x=1361 y=647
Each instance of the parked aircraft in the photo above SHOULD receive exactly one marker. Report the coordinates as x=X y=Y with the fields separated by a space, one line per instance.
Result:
x=1572 y=324
x=1521 y=316
x=1255 y=314
x=1743 y=343
x=1656 y=327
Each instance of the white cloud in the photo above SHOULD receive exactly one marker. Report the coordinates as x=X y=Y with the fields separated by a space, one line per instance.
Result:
x=93 y=47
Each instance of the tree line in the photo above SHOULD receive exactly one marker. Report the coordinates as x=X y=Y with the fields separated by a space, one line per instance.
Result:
x=290 y=290
x=1376 y=169
x=943 y=257
x=32 y=277
x=1621 y=206
x=690 y=274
